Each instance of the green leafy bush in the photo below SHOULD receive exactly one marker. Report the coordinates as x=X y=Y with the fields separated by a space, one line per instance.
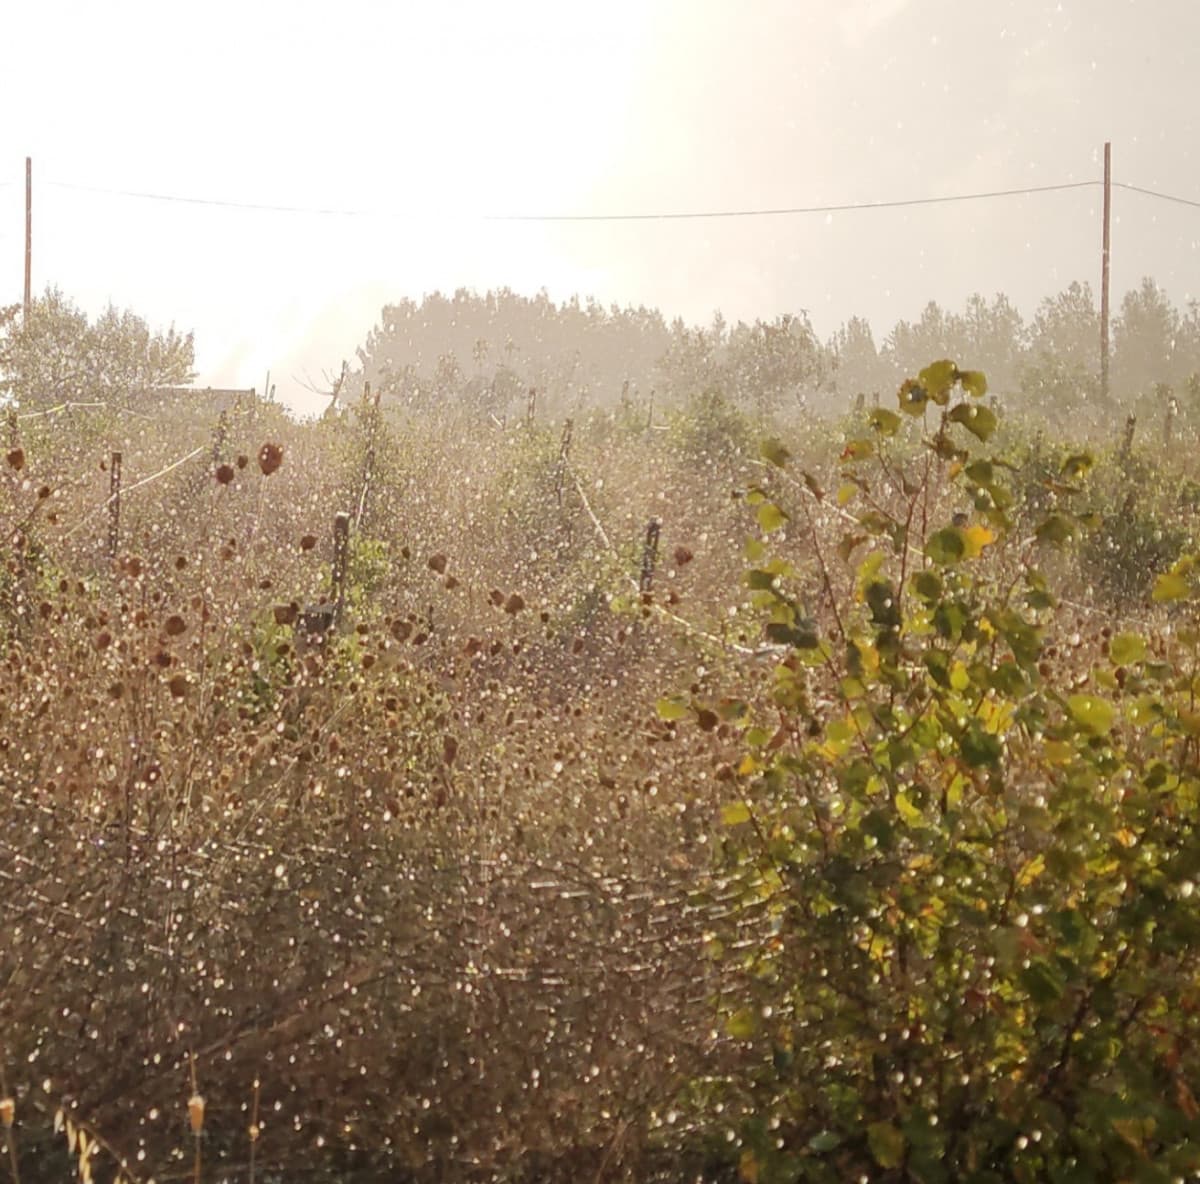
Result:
x=966 y=934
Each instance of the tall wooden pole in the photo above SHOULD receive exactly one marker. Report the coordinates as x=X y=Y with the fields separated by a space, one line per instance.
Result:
x=28 y=230
x=1104 y=271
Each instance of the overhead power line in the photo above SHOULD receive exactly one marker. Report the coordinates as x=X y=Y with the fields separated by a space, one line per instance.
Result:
x=1183 y=201
x=670 y=215
x=652 y=216
x=784 y=210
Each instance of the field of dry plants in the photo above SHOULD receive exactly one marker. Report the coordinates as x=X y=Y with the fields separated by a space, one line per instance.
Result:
x=604 y=804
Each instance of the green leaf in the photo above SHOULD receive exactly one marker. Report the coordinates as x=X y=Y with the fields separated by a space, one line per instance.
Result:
x=1126 y=648
x=928 y=586
x=974 y=382
x=1057 y=529
x=770 y=517
x=884 y=605
x=742 y=1024
x=671 y=709
x=946 y=546
x=1092 y=713
x=982 y=472
x=801 y=636
x=887 y=1144
x=824 y=1141
x=814 y=487
x=938 y=379
x=1171 y=586
x=979 y=420
x=980 y=749
x=735 y=813
x=886 y=422
x=774 y=451
x=1044 y=982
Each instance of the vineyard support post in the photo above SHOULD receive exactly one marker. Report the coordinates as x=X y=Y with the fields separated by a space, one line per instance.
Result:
x=114 y=504
x=649 y=559
x=341 y=560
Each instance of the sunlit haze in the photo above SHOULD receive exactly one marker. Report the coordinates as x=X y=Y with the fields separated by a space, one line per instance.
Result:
x=419 y=127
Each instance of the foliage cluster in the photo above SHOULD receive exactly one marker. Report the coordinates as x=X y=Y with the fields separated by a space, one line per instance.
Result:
x=971 y=823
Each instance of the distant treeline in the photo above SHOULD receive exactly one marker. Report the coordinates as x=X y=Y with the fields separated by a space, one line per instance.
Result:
x=492 y=348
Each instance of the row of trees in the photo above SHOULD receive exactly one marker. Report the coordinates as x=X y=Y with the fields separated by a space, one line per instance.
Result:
x=493 y=347
x=488 y=351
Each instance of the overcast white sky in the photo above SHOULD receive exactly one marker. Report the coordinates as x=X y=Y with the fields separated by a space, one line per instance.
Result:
x=428 y=116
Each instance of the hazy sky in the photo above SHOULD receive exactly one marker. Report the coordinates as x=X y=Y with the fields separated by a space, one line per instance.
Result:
x=427 y=118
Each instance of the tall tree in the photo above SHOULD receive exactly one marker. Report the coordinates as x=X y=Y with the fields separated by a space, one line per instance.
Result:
x=938 y=334
x=1060 y=375
x=1145 y=342
x=858 y=368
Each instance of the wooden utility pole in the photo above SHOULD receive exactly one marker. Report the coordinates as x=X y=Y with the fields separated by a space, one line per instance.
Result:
x=1104 y=271
x=28 y=230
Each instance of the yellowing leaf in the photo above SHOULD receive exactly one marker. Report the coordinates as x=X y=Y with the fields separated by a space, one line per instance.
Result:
x=1094 y=714
x=960 y=679
x=977 y=418
x=1030 y=872
x=909 y=812
x=937 y=379
x=671 y=709
x=742 y=1024
x=775 y=452
x=884 y=421
x=977 y=536
x=770 y=517
x=887 y=1144
x=735 y=813
x=1135 y=1131
x=1171 y=586
x=973 y=382
x=1057 y=752
x=1126 y=648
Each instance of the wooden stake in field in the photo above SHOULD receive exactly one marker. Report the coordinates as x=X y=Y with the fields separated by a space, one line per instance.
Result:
x=649 y=559
x=219 y=434
x=341 y=562
x=319 y=620
x=371 y=411
x=114 y=504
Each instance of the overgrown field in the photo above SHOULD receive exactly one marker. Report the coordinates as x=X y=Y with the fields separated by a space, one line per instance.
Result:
x=671 y=796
